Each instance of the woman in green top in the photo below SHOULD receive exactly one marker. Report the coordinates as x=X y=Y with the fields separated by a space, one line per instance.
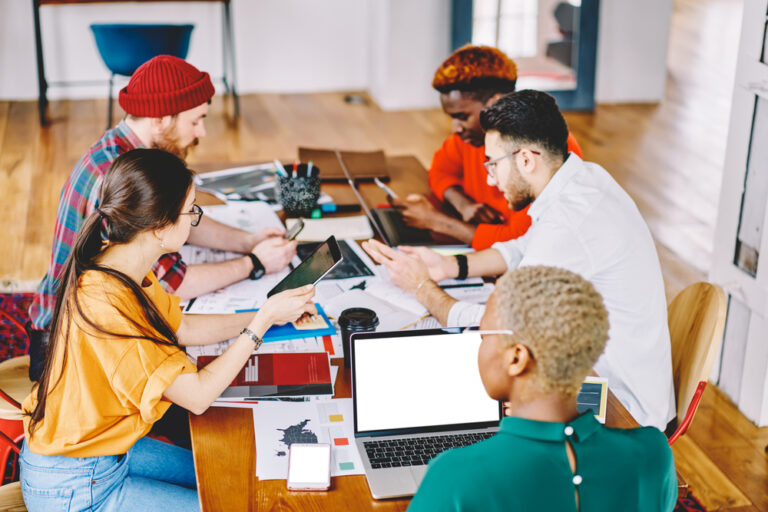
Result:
x=545 y=329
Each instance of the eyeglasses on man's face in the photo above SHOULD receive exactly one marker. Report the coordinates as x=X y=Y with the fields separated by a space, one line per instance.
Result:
x=197 y=211
x=490 y=165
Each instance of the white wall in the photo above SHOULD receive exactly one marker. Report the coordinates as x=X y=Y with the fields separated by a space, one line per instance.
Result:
x=280 y=45
x=390 y=47
x=632 y=50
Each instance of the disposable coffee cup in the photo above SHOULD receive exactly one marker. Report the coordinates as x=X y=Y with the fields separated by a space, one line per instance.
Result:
x=355 y=320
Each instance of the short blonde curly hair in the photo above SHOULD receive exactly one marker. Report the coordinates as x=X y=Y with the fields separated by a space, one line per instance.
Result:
x=559 y=316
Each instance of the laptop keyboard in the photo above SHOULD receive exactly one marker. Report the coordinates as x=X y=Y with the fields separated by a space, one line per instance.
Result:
x=416 y=451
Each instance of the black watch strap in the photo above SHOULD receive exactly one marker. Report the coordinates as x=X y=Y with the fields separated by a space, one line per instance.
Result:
x=461 y=259
x=258 y=267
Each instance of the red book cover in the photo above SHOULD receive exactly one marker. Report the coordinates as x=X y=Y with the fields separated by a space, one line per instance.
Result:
x=283 y=374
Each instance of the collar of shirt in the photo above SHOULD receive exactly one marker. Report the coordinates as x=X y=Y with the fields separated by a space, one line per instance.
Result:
x=579 y=429
x=556 y=183
x=125 y=132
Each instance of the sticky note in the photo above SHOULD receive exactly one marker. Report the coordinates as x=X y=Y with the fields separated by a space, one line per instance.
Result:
x=344 y=466
x=335 y=417
x=341 y=441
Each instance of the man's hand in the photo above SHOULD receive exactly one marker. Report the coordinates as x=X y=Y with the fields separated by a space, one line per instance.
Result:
x=479 y=213
x=405 y=271
x=417 y=211
x=275 y=253
x=265 y=234
x=440 y=267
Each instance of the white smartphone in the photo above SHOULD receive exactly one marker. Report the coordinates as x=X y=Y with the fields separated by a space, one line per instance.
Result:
x=309 y=467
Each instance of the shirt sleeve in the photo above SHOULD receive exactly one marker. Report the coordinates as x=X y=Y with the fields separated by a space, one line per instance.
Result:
x=446 y=170
x=144 y=373
x=573 y=145
x=170 y=270
x=465 y=314
x=435 y=492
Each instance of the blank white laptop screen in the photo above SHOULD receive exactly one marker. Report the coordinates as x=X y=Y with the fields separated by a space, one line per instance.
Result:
x=419 y=381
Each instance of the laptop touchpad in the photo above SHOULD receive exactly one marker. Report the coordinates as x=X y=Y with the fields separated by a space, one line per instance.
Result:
x=418 y=472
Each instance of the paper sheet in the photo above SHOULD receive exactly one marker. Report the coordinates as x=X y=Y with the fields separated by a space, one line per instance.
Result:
x=243 y=295
x=279 y=424
x=251 y=216
x=391 y=317
x=317 y=230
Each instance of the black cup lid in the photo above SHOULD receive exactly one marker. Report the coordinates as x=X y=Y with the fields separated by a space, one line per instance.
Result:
x=358 y=319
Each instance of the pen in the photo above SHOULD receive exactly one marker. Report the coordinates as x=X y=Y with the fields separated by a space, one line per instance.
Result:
x=339 y=208
x=295 y=168
x=382 y=186
x=309 y=169
x=279 y=169
x=462 y=285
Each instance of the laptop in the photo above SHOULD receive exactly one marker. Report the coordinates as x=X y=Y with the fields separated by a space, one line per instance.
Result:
x=415 y=394
x=389 y=223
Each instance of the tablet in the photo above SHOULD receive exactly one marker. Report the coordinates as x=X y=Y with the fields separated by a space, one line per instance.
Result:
x=313 y=268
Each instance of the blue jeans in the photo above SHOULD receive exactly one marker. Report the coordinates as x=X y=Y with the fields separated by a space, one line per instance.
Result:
x=152 y=476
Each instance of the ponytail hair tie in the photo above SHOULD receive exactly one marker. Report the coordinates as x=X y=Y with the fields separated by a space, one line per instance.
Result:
x=104 y=231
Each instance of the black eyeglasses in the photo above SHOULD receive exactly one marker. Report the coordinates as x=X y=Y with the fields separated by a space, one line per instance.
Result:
x=196 y=210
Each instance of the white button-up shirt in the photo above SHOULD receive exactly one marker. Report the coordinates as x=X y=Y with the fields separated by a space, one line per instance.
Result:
x=583 y=221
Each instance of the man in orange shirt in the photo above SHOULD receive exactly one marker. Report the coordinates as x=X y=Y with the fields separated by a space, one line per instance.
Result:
x=472 y=78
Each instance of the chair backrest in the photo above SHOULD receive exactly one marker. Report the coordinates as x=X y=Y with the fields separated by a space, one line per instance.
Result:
x=696 y=323
x=125 y=47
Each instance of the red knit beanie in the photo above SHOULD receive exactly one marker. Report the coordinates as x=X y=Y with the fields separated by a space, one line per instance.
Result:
x=165 y=85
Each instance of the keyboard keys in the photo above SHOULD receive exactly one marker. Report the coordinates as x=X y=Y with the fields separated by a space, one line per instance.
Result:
x=416 y=451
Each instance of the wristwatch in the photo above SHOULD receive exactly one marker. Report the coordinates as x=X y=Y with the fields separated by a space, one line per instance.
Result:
x=461 y=260
x=255 y=339
x=258 y=267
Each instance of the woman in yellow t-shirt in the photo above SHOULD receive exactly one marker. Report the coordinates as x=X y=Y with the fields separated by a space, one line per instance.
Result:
x=114 y=363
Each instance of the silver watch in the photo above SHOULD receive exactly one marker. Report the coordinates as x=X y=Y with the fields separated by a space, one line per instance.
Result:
x=255 y=339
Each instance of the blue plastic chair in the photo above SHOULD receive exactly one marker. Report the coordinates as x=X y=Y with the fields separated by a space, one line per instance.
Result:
x=123 y=48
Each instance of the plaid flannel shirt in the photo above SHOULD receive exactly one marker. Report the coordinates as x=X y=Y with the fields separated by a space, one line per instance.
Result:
x=78 y=199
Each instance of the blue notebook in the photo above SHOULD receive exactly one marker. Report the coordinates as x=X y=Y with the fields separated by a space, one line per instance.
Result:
x=289 y=332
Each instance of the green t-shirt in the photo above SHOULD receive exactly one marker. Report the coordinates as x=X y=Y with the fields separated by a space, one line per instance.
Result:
x=525 y=468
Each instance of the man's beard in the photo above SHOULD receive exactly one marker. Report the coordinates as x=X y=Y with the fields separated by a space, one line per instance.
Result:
x=519 y=193
x=169 y=141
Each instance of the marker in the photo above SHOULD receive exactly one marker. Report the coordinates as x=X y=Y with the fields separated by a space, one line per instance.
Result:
x=465 y=285
x=339 y=208
x=382 y=186
x=279 y=169
x=309 y=169
x=295 y=168
x=246 y=310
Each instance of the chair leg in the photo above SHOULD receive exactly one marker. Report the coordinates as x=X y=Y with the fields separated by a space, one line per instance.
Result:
x=230 y=45
x=109 y=102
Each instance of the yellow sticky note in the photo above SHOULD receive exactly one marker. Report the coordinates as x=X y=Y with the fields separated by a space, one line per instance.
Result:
x=311 y=323
x=335 y=417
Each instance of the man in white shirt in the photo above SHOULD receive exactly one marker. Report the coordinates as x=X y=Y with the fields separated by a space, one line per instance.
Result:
x=582 y=221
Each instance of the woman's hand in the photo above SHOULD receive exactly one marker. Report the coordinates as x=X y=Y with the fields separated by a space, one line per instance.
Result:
x=287 y=306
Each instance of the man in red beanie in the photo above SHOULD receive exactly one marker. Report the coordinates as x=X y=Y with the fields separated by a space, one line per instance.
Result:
x=471 y=79
x=166 y=101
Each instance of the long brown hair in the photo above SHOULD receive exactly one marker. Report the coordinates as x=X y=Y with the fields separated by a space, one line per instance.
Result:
x=144 y=189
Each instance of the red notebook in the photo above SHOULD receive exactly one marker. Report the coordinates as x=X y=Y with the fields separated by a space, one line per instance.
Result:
x=284 y=374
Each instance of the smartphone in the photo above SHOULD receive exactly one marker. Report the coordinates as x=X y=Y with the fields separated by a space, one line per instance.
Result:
x=311 y=270
x=292 y=233
x=309 y=467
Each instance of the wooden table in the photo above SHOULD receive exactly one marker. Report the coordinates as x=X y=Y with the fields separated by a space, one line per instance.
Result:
x=225 y=465
x=223 y=439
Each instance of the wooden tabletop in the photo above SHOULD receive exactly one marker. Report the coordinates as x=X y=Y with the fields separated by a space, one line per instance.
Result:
x=223 y=438
x=225 y=464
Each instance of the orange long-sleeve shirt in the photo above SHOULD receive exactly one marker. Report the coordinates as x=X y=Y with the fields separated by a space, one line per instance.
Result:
x=460 y=163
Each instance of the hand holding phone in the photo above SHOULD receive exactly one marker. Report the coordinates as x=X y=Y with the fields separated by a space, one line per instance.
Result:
x=309 y=467
x=292 y=233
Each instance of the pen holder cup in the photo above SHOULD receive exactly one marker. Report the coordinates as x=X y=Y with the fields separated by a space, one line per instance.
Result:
x=299 y=194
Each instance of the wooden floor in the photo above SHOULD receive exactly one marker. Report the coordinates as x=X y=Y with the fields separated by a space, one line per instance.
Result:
x=669 y=156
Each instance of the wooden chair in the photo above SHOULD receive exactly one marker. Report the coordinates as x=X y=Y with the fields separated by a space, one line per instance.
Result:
x=696 y=324
x=14 y=387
